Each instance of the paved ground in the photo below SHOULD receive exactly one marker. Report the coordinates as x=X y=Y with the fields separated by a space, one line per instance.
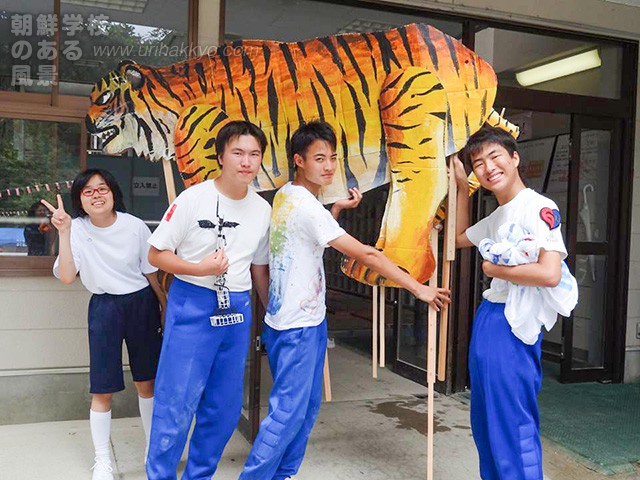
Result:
x=373 y=430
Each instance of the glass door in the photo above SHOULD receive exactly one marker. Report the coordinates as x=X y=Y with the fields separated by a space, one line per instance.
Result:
x=593 y=174
x=410 y=323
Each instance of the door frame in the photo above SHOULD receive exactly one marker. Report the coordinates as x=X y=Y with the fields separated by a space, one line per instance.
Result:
x=250 y=417
x=615 y=314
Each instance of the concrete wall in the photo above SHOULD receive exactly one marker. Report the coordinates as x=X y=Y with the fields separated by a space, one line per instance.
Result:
x=43 y=338
x=43 y=324
x=44 y=353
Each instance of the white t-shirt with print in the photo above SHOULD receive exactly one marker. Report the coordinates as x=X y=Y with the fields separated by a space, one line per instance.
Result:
x=190 y=228
x=301 y=228
x=110 y=259
x=532 y=211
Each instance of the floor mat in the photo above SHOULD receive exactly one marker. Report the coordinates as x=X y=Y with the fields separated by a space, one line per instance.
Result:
x=599 y=422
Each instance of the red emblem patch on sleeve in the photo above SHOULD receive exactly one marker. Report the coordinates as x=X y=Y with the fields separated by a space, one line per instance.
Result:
x=550 y=217
x=170 y=212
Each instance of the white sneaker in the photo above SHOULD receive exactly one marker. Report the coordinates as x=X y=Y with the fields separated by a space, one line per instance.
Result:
x=102 y=469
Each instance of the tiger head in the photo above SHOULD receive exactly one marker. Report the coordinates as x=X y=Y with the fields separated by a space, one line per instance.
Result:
x=125 y=112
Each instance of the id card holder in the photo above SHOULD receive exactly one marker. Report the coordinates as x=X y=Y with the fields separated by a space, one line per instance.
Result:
x=226 y=319
x=224 y=300
x=222 y=293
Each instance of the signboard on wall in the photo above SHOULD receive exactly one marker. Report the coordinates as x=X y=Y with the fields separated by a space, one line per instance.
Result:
x=535 y=156
x=594 y=149
x=146 y=186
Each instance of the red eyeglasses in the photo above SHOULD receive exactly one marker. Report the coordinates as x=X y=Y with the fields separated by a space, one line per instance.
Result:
x=102 y=190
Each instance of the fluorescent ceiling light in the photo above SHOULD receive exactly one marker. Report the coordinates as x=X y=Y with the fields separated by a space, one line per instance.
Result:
x=559 y=68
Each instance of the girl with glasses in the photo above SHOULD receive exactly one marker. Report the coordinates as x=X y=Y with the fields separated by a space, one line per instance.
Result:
x=108 y=248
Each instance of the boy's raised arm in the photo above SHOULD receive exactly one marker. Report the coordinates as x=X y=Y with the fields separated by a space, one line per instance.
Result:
x=375 y=260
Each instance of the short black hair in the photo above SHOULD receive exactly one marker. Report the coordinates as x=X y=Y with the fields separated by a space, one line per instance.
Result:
x=487 y=135
x=233 y=130
x=308 y=133
x=81 y=181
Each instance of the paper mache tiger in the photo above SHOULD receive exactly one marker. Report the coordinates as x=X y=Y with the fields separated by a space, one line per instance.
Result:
x=400 y=102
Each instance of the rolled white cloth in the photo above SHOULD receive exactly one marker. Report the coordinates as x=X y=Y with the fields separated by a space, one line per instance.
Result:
x=527 y=309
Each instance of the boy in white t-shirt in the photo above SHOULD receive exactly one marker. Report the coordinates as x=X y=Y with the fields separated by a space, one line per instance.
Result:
x=214 y=238
x=506 y=373
x=295 y=330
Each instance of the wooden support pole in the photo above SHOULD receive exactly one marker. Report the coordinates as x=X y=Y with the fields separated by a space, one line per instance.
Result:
x=168 y=180
x=170 y=186
x=374 y=334
x=448 y=259
x=383 y=339
x=327 y=378
x=431 y=359
x=444 y=325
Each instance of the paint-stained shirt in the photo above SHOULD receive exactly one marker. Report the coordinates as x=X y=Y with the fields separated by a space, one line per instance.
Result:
x=301 y=228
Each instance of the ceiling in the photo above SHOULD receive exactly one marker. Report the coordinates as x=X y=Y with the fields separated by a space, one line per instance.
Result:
x=294 y=20
x=170 y=14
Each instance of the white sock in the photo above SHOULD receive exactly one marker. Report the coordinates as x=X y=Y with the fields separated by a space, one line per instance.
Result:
x=100 y=423
x=146 y=412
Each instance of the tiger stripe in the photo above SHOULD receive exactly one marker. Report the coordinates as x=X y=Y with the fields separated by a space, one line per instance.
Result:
x=278 y=86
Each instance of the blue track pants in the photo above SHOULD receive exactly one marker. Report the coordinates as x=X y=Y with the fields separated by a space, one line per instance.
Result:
x=201 y=373
x=506 y=376
x=296 y=358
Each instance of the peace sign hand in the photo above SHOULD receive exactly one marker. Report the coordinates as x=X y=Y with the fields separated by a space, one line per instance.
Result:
x=59 y=218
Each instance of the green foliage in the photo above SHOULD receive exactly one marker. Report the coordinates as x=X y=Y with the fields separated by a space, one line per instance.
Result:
x=117 y=42
x=34 y=152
